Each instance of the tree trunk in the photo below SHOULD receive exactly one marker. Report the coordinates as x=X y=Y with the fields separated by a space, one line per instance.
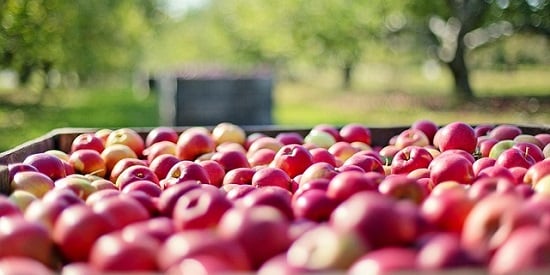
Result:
x=347 y=73
x=460 y=72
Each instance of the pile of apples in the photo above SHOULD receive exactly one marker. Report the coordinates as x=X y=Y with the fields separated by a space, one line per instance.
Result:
x=220 y=200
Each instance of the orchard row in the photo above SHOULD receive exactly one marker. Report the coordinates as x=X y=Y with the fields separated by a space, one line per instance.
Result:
x=221 y=200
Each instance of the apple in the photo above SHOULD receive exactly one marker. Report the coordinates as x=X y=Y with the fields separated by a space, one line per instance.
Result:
x=325 y=248
x=496 y=171
x=114 y=153
x=342 y=150
x=215 y=171
x=500 y=147
x=169 y=197
x=399 y=186
x=22 y=199
x=120 y=210
x=8 y=207
x=273 y=196
x=190 y=244
x=505 y=132
x=228 y=132
x=459 y=152
x=456 y=135
x=103 y=134
x=331 y=129
x=518 y=174
x=191 y=144
x=261 y=157
x=14 y=168
x=386 y=260
x=318 y=138
x=428 y=127
x=235 y=192
x=484 y=146
x=87 y=141
x=62 y=196
x=446 y=210
x=530 y=149
x=161 y=133
x=200 y=209
x=36 y=183
x=536 y=172
x=231 y=159
x=242 y=225
x=264 y=142
x=76 y=229
x=128 y=137
x=148 y=187
x=136 y=173
x=23 y=265
x=368 y=162
x=322 y=155
x=279 y=265
x=526 y=138
x=47 y=164
x=482 y=163
x=239 y=176
x=122 y=165
x=286 y=138
x=22 y=238
x=294 y=159
x=443 y=251
x=484 y=229
x=182 y=171
x=345 y=184
x=159 y=148
x=271 y=176
x=113 y=253
x=514 y=157
x=483 y=129
x=411 y=137
x=356 y=132
x=319 y=170
x=451 y=168
x=522 y=252
x=546 y=151
x=88 y=161
x=388 y=152
x=487 y=185
x=313 y=205
x=158 y=228
x=162 y=164
x=376 y=219
x=410 y=158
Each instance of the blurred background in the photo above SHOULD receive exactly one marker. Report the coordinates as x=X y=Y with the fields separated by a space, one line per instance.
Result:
x=109 y=64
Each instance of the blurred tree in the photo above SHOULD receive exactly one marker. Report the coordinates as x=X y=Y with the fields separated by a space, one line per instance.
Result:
x=89 y=38
x=457 y=26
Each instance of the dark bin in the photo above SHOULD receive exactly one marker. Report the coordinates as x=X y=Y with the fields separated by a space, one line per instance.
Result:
x=207 y=100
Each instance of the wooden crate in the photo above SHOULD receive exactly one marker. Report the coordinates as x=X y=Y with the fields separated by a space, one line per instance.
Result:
x=61 y=139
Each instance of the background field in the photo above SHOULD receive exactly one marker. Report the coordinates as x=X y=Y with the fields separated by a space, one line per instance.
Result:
x=380 y=97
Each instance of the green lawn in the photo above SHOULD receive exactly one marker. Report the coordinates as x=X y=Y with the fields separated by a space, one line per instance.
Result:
x=379 y=98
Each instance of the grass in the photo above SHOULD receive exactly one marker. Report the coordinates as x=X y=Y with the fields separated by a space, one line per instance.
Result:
x=382 y=96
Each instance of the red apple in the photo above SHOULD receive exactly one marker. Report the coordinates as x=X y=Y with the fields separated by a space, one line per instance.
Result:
x=427 y=126
x=88 y=161
x=200 y=209
x=169 y=197
x=76 y=230
x=500 y=147
x=185 y=170
x=271 y=176
x=483 y=129
x=536 y=172
x=514 y=157
x=22 y=199
x=162 y=164
x=518 y=174
x=505 y=131
x=342 y=150
x=331 y=129
x=231 y=159
x=22 y=238
x=122 y=165
x=356 y=132
x=215 y=171
x=136 y=173
x=114 y=153
x=313 y=205
x=8 y=207
x=161 y=133
x=482 y=163
x=544 y=138
x=239 y=176
x=385 y=261
x=286 y=138
x=272 y=196
x=87 y=141
x=451 y=168
x=47 y=164
x=345 y=184
x=294 y=159
x=530 y=149
x=159 y=148
x=487 y=185
x=158 y=228
x=399 y=186
x=485 y=145
x=23 y=265
x=121 y=210
x=146 y=186
x=443 y=251
x=447 y=210
x=410 y=158
x=261 y=157
x=128 y=137
x=456 y=135
x=191 y=144
x=320 y=170
x=113 y=253
x=36 y=183
x=368 y=162
x=242 y=226
x=526 y=138
x=523 y=252
x=79 y=184
x=411 y=137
